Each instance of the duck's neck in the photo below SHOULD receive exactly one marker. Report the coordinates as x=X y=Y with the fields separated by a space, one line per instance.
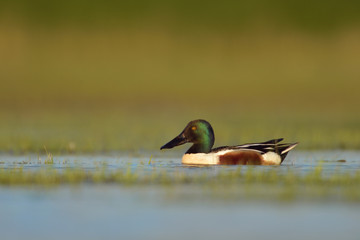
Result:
x=203 y=146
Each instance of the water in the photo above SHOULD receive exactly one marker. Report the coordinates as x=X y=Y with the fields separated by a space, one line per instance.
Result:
x=111 y=211
x=148 y=162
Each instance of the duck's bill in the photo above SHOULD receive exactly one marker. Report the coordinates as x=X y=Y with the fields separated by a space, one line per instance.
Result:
x=179 y=140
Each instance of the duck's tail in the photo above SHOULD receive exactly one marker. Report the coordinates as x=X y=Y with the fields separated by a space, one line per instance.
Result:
x=283 y=149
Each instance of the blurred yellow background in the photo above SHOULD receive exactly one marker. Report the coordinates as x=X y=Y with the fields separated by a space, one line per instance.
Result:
x=167 y=62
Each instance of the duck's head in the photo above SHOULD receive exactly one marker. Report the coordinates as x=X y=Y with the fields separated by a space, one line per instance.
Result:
x=199 y=132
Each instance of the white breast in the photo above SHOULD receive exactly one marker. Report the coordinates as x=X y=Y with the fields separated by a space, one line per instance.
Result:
x=200 y=158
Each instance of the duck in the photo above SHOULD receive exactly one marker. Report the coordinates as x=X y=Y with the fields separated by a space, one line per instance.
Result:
x=201 y=134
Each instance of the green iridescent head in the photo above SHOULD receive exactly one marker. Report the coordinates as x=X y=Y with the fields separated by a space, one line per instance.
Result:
x=199 y=132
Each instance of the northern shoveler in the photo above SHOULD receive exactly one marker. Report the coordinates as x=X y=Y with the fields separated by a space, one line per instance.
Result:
x=200 y=133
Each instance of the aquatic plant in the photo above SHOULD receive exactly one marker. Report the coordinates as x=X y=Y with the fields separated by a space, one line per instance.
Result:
x=240 y=183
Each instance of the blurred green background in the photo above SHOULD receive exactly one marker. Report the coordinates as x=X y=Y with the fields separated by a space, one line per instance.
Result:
x=90 y=76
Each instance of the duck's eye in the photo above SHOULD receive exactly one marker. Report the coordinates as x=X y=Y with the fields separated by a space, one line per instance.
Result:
x=193 y=128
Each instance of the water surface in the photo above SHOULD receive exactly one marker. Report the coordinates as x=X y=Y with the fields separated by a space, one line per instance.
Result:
x=113 y=211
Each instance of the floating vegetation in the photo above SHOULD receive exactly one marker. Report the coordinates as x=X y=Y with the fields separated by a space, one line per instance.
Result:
x=241 y=183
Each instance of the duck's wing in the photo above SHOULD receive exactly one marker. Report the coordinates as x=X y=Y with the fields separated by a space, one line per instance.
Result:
x=254 y=146
x=262 y=148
